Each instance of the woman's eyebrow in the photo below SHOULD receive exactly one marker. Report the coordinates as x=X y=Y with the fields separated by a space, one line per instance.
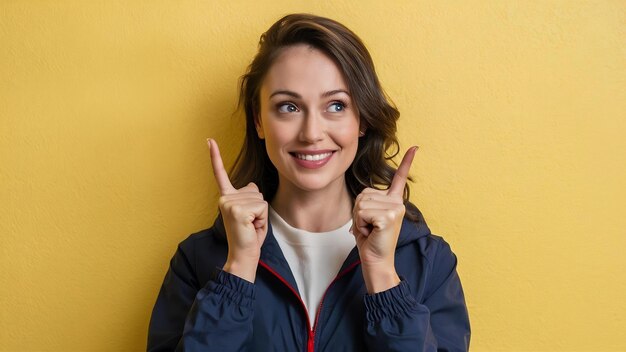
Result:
x=333 y=92
x=286 y=92
x=298 y=96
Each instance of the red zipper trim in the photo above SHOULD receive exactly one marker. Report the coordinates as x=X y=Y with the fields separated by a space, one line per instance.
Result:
x=311 y=339
x=310 y=346
x=308 y=325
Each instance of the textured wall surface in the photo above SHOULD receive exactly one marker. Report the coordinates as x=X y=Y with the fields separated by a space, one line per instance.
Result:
x=519 y=108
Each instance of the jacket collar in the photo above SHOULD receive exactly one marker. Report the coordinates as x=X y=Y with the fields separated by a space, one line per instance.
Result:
x=273 y=256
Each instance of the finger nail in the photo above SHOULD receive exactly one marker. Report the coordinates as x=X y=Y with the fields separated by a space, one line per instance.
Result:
x=208 y=142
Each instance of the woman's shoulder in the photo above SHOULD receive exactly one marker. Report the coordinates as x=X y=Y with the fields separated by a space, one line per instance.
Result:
x=211 y=238
x=200 y=253
x=433 y=247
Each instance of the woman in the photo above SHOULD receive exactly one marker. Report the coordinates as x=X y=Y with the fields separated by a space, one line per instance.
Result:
x=316 y=247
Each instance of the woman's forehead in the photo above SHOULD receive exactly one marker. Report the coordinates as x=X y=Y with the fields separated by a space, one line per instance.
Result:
x=305 y=70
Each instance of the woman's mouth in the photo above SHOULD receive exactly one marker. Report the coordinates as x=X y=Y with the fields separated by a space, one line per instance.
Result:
x=313 y=157
x=312 y=160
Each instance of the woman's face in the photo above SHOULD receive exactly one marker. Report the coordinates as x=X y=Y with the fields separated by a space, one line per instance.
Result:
x=308 y=120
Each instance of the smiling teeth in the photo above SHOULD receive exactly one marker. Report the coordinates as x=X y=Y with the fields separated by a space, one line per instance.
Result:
x=313 y=157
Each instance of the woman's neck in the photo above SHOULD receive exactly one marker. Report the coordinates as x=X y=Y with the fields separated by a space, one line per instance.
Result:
x=314 y=211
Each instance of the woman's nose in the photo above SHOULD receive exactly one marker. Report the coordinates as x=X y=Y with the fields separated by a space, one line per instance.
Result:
x=313 y=128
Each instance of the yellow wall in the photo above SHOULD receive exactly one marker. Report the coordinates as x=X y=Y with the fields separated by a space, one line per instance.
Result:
x=519 y=108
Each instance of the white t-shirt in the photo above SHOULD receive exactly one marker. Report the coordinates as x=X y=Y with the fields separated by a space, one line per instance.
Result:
x=314 y=257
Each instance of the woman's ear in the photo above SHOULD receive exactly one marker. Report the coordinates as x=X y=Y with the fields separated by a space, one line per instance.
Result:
x=362 y=130
x=258 y=126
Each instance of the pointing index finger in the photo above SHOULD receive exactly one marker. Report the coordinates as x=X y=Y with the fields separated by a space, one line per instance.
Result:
x=399 y=179
x=223 y=182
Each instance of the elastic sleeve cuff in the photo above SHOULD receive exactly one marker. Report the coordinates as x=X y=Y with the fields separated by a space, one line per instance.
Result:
x=233 y=288
x=389 y=303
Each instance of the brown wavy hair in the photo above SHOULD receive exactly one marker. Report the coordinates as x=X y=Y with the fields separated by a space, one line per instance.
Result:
x=371 y=166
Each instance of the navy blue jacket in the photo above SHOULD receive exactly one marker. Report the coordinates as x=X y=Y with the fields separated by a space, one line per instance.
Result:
x=202 y=308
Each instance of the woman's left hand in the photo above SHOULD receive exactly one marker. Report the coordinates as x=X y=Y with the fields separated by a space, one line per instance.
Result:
x=377 y=219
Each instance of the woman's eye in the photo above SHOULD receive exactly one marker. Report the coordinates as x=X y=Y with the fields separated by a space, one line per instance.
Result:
x=336 y=107
x=286 y=108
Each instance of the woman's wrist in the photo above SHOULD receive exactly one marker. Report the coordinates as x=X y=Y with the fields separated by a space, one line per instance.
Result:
x=380 y=278
x=245 y=269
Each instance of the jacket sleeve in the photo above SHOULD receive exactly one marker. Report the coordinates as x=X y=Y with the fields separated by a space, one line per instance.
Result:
x=395 y=321
x=218 y=317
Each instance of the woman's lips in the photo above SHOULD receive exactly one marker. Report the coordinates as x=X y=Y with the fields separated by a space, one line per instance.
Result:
x=312 y=160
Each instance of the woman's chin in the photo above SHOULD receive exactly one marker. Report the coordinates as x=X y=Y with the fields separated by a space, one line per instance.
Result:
x=317 y=183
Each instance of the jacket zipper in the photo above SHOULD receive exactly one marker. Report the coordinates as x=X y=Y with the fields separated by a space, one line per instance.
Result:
x=311 y=337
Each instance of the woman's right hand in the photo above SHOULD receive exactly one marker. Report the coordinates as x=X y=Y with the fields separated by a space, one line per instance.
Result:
x=245 y=216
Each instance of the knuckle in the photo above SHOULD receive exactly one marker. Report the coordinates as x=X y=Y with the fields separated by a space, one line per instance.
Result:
x=237 y=210
x=358 y=198
x=396 y=213
x=251 y=186
x=259 y=205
